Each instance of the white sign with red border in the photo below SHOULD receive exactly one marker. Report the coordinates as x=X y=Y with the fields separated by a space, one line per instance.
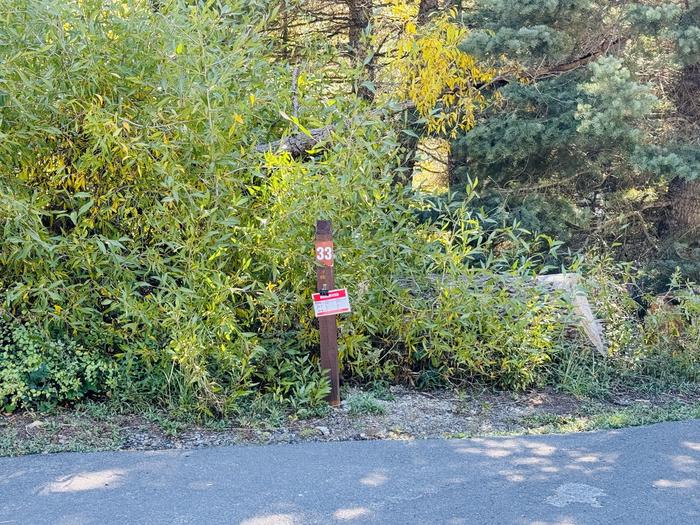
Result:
x=333 y=303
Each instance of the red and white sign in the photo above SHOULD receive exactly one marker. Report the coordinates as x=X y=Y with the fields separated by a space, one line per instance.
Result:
x=324 y=252
x=334 y=303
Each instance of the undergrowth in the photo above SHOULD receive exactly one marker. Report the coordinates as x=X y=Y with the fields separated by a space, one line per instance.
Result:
x=635 y=415
x=157 y=254
x=151 y=252
x=653 y=341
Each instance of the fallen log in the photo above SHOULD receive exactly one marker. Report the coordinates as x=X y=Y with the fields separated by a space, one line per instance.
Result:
x=299 y=144
x=568 y=282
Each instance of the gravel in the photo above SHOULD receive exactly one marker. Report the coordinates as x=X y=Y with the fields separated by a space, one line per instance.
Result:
x=407 y=414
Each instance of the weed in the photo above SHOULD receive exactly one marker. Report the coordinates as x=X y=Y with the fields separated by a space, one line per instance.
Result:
x=381 y=390
x=364 y=403
x=306 y=433
x=599 y=419
x=71 y=434
x=261 y=412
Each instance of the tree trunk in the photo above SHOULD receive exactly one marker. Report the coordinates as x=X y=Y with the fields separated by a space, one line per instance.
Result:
x=285 y=29
x=452 y=166
x=410 y=141
x=684 y=195
x=688 y=93
x=425 y=9
x=684 y=211
x=360 y=14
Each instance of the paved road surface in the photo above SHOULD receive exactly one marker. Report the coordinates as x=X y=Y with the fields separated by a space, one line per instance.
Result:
x=636 y=476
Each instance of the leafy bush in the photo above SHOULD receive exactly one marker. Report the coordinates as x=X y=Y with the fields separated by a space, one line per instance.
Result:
x=139 y=222
x=672 y=332
x=35 y=371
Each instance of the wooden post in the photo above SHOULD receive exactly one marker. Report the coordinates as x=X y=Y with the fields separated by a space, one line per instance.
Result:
x=327 y=325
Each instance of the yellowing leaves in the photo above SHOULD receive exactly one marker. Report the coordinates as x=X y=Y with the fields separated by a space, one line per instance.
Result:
x=237 y=121
x=440 y=79
x=404 y=11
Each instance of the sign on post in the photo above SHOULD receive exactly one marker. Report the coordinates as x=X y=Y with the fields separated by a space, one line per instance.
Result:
x=324 y=252
x=325 y=285
x=332 y=302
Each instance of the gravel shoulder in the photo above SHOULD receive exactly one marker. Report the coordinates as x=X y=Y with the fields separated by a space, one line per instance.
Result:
x=398 y=414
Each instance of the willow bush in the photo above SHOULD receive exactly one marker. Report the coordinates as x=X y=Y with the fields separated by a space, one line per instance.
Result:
x=150 y=250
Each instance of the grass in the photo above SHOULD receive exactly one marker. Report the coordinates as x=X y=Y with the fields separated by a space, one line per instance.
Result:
x=605 y=419
x=77 y=433
x=584 y=374
x=96 y=426
x=365 y=403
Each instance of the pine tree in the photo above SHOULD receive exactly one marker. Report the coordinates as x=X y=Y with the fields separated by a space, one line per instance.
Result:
x=676 y=24
x=571 y=132
x=565 y=116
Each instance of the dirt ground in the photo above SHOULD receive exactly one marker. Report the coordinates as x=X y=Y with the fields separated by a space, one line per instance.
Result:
x=406 y=414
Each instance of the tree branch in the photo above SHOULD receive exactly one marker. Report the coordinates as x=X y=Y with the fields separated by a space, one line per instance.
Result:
x=299 y=144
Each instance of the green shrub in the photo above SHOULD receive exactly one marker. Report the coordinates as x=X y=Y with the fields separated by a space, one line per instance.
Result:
x=139 y=221
x=35 y=371
x=653 y=341
x=672 y=333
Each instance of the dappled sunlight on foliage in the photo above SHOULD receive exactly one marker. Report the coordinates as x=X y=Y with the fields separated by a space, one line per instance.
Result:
x=141 y=224
x=442 y=80
x=156 y=225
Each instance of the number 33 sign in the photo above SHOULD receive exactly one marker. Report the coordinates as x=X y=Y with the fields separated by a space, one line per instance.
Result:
x=324 y=252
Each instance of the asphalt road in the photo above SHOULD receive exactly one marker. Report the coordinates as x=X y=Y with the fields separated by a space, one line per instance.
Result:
x=638 y=476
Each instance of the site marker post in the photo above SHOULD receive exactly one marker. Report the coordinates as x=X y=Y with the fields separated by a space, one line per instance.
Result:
x=328 y=302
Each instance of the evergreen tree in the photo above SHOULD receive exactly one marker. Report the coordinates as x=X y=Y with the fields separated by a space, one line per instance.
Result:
x=558 y=140
x=676 y=25
x=585 y=136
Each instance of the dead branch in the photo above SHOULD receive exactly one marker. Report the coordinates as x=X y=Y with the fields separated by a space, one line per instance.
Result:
x=299 y=144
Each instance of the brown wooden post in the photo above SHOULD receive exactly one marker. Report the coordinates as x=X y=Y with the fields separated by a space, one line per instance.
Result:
x=327 y=325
